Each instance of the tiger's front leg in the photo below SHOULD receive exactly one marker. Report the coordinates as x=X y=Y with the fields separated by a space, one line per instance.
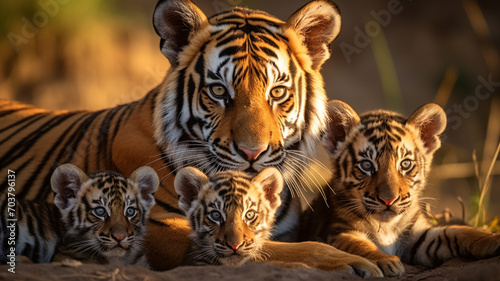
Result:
x=321 y=256
x=390 y=265
x=436 y=245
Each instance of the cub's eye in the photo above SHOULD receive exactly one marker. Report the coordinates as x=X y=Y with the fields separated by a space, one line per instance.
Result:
x=131 y=212
x=279 y=93
x=218 y=91
x=250 y=215
x=215 y=216
x=406 y=164
x=366 y=166
x=100 y=212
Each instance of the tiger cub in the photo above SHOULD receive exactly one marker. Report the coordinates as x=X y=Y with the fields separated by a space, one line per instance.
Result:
x=380 y=162
x=100 y=217
x=230 y=213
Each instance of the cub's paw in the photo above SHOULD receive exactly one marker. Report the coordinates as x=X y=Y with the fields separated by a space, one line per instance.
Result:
x=391 y=266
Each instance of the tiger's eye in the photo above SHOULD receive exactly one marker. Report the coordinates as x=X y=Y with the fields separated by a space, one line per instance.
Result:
x=278 y=93
x=217 y=90
x=215 y=216
x=406 y=164
x=250 y=215
x=99 y=212
x=366 y=166
x=131 y=212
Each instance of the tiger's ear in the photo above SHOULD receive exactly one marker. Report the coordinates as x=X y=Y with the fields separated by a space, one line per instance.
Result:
x=188 y=183
x=147 y=182
x=271 y=182
x=430 y=120
x=174 y=21
x=66 y=182
x=317 y=23
x=342 y=119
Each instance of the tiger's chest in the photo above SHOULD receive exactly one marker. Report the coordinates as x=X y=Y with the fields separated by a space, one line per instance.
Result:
x=387 y=240
x=389 y=237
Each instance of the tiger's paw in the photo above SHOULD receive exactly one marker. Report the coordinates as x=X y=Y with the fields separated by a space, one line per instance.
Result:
x=390 y=265
x=359 y=266
x=495 y=246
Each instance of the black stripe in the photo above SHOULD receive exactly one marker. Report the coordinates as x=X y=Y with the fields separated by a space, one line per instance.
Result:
x=3 y=185
x=269 y=41
x=110 y=164
x=436 y=259
x=18 y=150
x=230 y=38
x=286 y=204
x=169 y=208
x=8 y=112
x=36 y=117
x=102 y=138
x=428 y=249
x=269 y=52
x=27 y=251
x=75 y=139
x=179 y=98
x=158 y=223
x=417 y=245
x=44 y=192
x=231 y=51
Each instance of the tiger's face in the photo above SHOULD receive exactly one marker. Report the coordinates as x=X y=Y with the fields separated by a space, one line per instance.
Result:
x=104 y=212
x=244 y=91
x=231 y=214
x=381 y=159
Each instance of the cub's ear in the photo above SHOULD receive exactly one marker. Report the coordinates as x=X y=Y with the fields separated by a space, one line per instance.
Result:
x=188 y=183
x=430 y=120
x=66 y=182
x=342 y=119
x=147 y=182
x=271 y=182
x=174 y=22
x=317 y=23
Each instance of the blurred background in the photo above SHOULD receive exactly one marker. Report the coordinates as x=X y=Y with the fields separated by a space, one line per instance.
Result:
x=62 y=54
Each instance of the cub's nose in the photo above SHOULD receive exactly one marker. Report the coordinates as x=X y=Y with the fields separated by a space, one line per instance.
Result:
x=388 y=202
x=119 y=236
x=234 y=247
x=251 y=154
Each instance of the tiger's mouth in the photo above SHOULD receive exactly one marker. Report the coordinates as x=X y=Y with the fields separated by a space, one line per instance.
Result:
x=115 y=252
x=385 y=213
x=233 y=259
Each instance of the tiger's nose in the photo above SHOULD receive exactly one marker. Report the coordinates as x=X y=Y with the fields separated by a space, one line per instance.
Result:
x=119 y=237
x=388 y=202
x=234 y=247
x=251 y=154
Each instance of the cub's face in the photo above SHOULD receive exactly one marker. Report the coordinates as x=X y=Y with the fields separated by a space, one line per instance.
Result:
x=232 y=214
x=245 y=90
x=383 y=169
x=233 y=230
x=105 y=213
x=380 y=159
x=115 y=218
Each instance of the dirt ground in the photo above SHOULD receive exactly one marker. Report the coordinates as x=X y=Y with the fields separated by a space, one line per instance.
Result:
x=455 y=270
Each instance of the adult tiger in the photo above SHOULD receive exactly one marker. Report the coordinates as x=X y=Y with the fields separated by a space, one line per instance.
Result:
x=243 y=92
